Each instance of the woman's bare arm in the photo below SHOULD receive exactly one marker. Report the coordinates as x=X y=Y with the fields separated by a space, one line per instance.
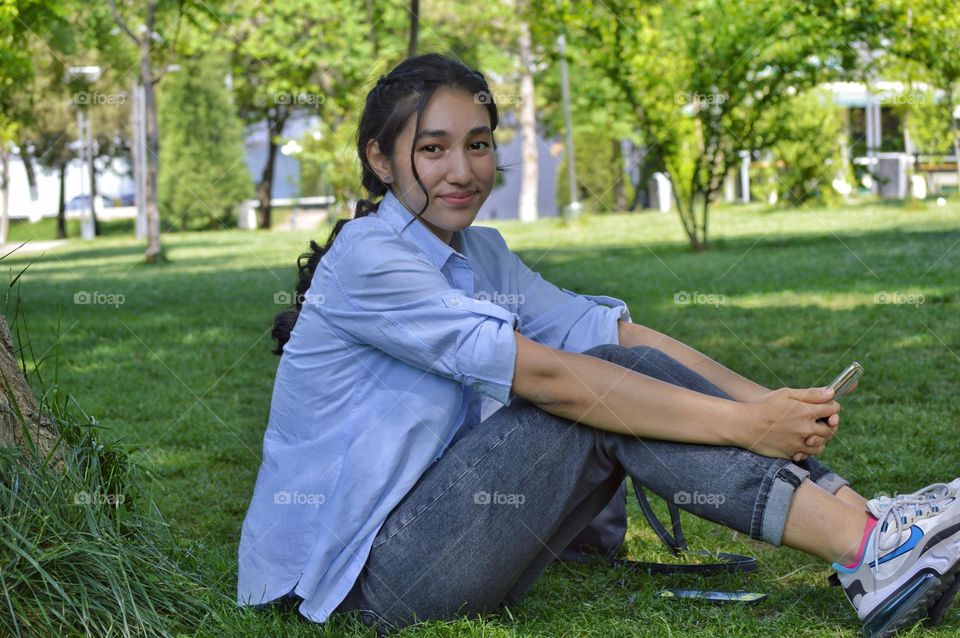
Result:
x=603 y=395
x=738 y=387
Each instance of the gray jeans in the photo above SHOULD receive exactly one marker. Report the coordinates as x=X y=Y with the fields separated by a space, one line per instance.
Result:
x=487 y=518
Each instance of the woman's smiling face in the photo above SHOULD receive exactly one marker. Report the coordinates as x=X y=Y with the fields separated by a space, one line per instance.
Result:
x=455 y=160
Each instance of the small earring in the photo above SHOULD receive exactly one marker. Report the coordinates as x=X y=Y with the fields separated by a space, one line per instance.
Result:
x=387 y=179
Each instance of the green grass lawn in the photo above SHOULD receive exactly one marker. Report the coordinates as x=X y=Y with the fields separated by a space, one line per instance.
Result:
x=181 y=369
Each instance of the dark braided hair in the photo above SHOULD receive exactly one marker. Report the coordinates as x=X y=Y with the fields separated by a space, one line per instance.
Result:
x=390 y=103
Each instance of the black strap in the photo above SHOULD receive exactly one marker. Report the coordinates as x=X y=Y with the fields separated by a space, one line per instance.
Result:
x=725 y=563
x=676 y=543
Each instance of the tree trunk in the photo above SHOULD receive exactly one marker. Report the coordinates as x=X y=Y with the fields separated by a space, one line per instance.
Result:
x=414 y=27
x=93 y=195
x=62 y=204
x=371 y=20
x=274 y=131
x=5 y=193
x=21 y=423
x=635 y=201
x=30 y=167
x=153 y=252
x=528 y=126
x=619 y=194
x=144 y=43
x=956 y=137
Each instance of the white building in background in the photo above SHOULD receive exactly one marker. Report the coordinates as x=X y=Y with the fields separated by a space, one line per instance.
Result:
x=112 y=183
x=880 y=143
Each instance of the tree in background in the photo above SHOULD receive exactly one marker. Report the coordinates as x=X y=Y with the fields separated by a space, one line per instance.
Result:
x=203 y=176
x=154 y=31
x=47 y=138
x=808 y=147
x=698 y=77
x=293 y=56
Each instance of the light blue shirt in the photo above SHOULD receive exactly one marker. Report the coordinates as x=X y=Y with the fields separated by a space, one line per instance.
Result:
x=403 y=342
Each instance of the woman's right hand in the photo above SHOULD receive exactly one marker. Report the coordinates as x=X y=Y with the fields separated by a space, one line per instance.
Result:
x=782 y=421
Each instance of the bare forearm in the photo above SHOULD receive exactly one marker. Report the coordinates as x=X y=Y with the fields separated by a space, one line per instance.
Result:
x=604 y=395
x=737 y=386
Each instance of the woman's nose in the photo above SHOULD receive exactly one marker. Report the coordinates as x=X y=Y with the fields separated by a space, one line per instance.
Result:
x=458 y=168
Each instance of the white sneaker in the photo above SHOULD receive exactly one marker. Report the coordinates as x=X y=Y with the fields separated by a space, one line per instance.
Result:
x=941 y=494
x=909 y=565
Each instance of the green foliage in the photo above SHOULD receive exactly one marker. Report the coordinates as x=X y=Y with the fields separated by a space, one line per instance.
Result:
x=202 y=176
x=730 y=62
x=763 y=180
x=807 y=147
x=599 y=165
x=927 y=115
x=329 y=165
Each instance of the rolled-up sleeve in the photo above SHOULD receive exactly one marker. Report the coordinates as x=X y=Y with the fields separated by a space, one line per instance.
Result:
x=563 y=319
x=394 y=299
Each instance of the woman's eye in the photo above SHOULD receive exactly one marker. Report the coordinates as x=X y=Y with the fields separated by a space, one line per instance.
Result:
x=430 y=148
x=480 y=145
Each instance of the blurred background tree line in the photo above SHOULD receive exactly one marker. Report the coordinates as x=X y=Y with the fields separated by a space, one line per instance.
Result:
x=690 y=84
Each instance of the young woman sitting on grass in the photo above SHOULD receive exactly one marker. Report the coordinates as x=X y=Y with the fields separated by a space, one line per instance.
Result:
x=387 y=486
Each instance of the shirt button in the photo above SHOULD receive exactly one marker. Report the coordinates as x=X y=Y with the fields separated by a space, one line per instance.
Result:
x=455 y=301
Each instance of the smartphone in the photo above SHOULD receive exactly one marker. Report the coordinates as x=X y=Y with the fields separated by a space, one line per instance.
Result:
x=845 y=380
x=718 y=597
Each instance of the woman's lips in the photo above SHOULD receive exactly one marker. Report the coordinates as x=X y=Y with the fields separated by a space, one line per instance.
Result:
x=459 y=200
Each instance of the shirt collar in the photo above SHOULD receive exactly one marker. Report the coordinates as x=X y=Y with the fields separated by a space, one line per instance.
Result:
x=394 y=212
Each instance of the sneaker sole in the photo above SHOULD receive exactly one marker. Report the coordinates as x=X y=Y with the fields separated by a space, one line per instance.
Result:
x=939 y=609
x=922 y=597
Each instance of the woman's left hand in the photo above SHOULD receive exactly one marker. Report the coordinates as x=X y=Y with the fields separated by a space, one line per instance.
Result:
x=833 y=422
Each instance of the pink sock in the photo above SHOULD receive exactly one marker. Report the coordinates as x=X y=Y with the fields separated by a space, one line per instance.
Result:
x=871 y=523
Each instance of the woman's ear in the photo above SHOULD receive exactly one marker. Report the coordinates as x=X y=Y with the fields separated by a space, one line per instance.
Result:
x=378 y=161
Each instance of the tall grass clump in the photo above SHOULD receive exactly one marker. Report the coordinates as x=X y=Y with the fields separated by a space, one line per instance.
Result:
x=83 y=550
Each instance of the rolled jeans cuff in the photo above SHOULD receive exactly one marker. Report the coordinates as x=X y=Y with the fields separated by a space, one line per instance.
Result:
x=832 y=482
x=773 y=503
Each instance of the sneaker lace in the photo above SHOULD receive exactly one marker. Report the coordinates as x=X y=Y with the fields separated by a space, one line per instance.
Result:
x=937 y=492
x=904 y=511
